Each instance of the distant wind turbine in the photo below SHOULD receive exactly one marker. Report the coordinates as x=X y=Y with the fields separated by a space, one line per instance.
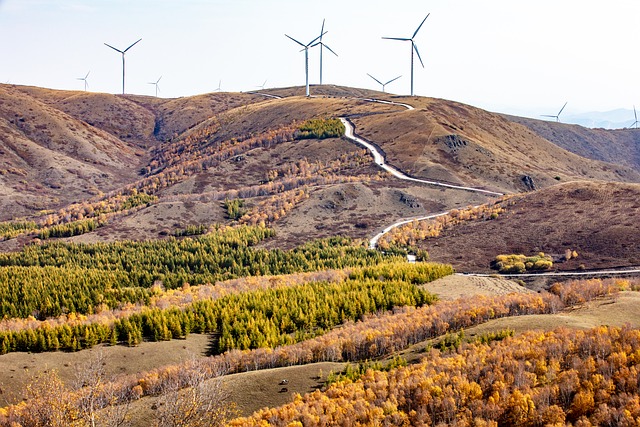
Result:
x=383 y=84
x=557 y=116
x=218 y=88
x=122 y=52
x=306 y=56
x=636 y=116
x=414 y=47
x=156 y=85
x=322 y=45
x=262 y=85
x=86 y=83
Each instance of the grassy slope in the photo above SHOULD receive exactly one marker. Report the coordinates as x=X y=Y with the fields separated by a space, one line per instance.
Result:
x=616 y=146
x=458 y=143
x=596 y=219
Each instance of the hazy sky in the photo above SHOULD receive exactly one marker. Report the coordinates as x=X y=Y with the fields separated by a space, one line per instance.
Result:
x=525 y=57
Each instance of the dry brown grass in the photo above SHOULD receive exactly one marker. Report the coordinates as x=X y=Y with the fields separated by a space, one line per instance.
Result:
x=620 y=146
x=488 y=150
x=596 y=219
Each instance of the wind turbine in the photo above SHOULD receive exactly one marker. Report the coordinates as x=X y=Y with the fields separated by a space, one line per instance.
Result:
x=322 y=45
x=218 y=88
x=86 y=83
x=262 y=85
x=636 y=116
x=557 y=116
x=306 y=56
x=413 y=47
x=123 y=52
x=383 y=84
x=156 y=84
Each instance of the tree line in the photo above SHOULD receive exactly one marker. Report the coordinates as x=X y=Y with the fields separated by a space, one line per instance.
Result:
x=263 y=318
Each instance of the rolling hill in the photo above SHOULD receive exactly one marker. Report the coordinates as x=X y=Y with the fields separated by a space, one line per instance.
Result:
x=192 y=153
x=596 y=219
x=138 y=231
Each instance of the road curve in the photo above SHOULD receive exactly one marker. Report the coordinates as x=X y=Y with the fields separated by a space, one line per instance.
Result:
x=374 y=241
x=379 y=159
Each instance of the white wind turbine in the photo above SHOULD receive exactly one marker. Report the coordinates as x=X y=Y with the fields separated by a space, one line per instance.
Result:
x=156 y=85
x=84 y=79
x=413 y=47
x=123 y=52
x=306 y=57
x=218 y=88
x=383 y=84
x=322 y=45
x=636 y=116
x=262 y=85
x=557 y=116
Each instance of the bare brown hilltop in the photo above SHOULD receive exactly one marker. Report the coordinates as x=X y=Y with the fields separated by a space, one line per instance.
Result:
x=66 y=153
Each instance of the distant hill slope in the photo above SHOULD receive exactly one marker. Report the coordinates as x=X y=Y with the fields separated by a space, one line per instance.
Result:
x=449 y=141
x=599 y=220
x=50 y=158
x=63 y=147
x=621 y=146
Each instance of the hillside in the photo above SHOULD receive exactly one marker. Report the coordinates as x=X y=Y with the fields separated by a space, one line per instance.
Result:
x=621 y=146
x=51 y=159
x=448 y=141
x=596 y=219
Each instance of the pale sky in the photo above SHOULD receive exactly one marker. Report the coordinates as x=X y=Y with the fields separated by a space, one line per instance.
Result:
x=517 y=56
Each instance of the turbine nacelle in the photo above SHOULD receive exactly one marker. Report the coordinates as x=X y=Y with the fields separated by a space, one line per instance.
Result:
x=383 y=84
x=122 y=52
x=414 y=47
x=557 y=116
x=305 y=48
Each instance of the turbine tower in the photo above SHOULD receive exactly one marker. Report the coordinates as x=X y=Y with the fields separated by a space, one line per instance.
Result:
x=306 y=57
x=122 y=52
x=413 y=47
x=322 y=45
x=557 y=116
x=84 y=79
x=156 y=85
x=383 y=84
x=636 y=116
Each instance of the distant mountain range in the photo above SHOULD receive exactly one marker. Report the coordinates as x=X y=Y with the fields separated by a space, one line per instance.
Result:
x=614 y=119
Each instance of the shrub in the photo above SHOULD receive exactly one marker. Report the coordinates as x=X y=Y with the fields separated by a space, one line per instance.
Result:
x=519 y=263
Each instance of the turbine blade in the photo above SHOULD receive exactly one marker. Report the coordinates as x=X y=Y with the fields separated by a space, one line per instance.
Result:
x=87 y=74
x=420 y=26
x=565 y=104
x=415 y=47
x=296 y=41
x=374 y=78
x=322 y=29
x=392 y=80
x=131 y=46
x=117 y=50
x=314 y=40
x=158 y=81
x=547 y=115
x=330 y=50
x=634 y=113
x=397 y=38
